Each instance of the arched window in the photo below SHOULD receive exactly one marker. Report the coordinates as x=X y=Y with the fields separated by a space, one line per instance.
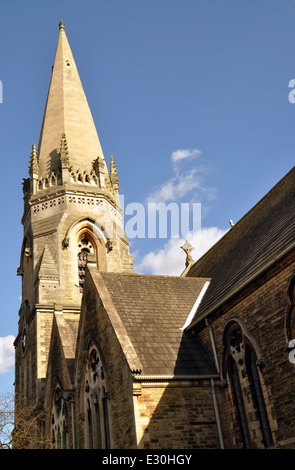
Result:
x=257 y=395
x=85 y=248
x=58 y=420
x=244 y=377
x=239 y=402
x=96 y=403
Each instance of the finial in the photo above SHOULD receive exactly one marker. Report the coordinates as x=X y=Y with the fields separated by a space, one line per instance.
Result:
x=187 y=248
x=61 y=25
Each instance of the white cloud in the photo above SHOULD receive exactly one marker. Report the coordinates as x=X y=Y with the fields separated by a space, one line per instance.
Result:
x=183 y=154
x=190 y=184
x=170 y=260
x=177 y=187
x=184 y=183
x=6 y=353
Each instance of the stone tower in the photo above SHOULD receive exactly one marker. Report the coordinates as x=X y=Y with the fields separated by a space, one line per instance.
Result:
x=72 y=216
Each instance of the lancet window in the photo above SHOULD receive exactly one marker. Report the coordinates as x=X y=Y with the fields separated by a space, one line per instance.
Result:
x=96 y=398
x=244 y=377
x=58 y=421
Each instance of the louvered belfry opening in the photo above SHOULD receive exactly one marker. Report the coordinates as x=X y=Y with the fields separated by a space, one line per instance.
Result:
x=85 y=247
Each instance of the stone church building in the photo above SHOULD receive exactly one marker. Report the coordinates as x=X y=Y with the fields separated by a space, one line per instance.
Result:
x=119 y=360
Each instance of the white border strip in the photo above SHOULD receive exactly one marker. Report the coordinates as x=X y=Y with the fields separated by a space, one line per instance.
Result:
x=196 y=305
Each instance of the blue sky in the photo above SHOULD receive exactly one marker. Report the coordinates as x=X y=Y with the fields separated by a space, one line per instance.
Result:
x=190 y=96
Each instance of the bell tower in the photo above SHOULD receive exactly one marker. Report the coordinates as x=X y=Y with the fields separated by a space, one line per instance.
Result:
x=72 y=216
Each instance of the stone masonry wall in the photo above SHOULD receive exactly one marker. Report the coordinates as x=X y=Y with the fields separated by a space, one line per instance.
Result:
x=263 y=312
x=175 y=415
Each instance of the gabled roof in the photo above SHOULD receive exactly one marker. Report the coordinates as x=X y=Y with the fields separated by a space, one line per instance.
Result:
x=150 y=312
x=67 y=329
x=257 y=240
x=61 y=358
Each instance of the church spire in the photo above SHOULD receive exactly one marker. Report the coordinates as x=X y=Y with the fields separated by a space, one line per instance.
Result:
x=67 y=112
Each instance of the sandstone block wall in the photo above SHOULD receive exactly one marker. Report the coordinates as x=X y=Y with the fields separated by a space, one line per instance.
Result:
x=176 y=415
x=263 y=312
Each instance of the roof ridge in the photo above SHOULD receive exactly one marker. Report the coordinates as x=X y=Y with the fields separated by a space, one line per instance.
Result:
x=153 y=276
x=238 y=223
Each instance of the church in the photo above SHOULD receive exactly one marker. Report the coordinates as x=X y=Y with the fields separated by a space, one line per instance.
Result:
x=120 y=360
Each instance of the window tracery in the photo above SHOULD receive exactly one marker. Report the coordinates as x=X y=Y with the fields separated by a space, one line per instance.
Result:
x=96 y=403
x=244 y=377
x=58 y=421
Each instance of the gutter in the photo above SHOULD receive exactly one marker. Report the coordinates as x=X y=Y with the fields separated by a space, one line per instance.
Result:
x=175 y=377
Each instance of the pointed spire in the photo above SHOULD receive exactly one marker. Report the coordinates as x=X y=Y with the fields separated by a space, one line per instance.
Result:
x=67 y=111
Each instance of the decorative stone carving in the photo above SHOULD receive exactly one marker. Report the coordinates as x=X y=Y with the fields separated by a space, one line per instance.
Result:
x=188 y=248
x=109 y=245
x=65 y=243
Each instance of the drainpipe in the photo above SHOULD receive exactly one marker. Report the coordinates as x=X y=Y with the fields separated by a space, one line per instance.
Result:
x=213 y=346
x=216 y=411
x=73 y=424
x=215 y=403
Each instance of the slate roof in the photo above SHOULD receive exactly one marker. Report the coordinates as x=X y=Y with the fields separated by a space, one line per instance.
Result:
x=153 y=310
x=261 y=236
x=68 y=332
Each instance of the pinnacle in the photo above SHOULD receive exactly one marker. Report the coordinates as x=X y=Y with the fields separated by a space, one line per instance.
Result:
x=34 y=166
x=64 y=152
x=113 y=171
